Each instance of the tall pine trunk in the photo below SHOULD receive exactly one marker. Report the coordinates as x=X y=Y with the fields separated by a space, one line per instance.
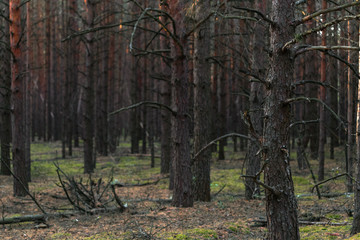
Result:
x=89 y=92
x=18 y=101
x=182 y=196
x=5 y=80
x=281 y=204
x=202 y=105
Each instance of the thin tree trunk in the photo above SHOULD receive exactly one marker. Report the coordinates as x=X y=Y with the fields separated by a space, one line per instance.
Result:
x=5 y=78
x=322 y=136
x=256 y=100
x=89 y=92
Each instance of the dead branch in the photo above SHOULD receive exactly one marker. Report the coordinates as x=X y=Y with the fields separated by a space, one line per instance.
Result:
x=27 y=191
x=218 y=139
x=263 y=223
x=89 y=195
x=329 y=179
x=325 y=11
x=118 y=184
x=319 y=28
x=147 y=103
x=262 y=15
x=301 y=98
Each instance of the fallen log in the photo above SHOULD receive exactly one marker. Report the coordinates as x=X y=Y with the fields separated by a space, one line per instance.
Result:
x=263 y=223
x=41 y=218
x=26 y=218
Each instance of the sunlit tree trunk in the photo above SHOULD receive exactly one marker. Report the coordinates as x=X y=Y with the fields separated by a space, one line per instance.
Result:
x=18 y=101
x=281 y=204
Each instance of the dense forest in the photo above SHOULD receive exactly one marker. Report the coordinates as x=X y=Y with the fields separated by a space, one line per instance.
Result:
x=186 y=79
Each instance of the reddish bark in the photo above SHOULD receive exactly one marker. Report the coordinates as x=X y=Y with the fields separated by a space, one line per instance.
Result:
x=322 y=97
x=17 y=88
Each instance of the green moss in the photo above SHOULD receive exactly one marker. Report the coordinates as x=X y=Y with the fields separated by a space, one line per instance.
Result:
x=314 y=232
x=228 y=177
x=60 y=235
x=47 y=168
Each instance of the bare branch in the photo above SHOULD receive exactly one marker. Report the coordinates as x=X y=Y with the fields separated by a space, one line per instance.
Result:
x=290 y=100
x=147 y=103
x=22 y=184
x=319 y=28
x=303 y=122
x=324 y=48
x=329 y=179
x=325 y=11
x=262 y=15
x=218 y=139
x=314 y=82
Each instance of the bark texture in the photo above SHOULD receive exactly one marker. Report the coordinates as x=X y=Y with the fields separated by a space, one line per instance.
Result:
x=18 y=95
x=5 y=96
x=89 y=94
x=202 y=105
x=256 y=103
x=182 y=196
x=281 y=204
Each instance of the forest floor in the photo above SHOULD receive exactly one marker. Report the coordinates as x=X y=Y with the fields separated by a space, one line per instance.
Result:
x=149 y=214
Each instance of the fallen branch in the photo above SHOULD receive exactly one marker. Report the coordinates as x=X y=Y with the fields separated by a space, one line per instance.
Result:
x=26 y=218
x=27 y=191
x=263 y=223
x=119 y=184
x=41 y=218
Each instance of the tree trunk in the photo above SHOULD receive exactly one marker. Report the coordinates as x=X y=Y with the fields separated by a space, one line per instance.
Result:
x=5 y=96
x=351 y=111
x=182 y=196
x=322 y=134
x=256 y=99
x=18 y=101
x=281 y=205
x=202 y=107
x=89 y=94
x=311 y=73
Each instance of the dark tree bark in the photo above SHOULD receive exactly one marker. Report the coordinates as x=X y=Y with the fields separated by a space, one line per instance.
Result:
x=281 y=204
x=89 y=92
x=202 y=107
x=322 y=93
x=256 y=100
x=352 y=85
x=17 y=88
x=182 y=196
x=311 y=73
x=333 y=93
x=5 y=96
x=165 y=115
